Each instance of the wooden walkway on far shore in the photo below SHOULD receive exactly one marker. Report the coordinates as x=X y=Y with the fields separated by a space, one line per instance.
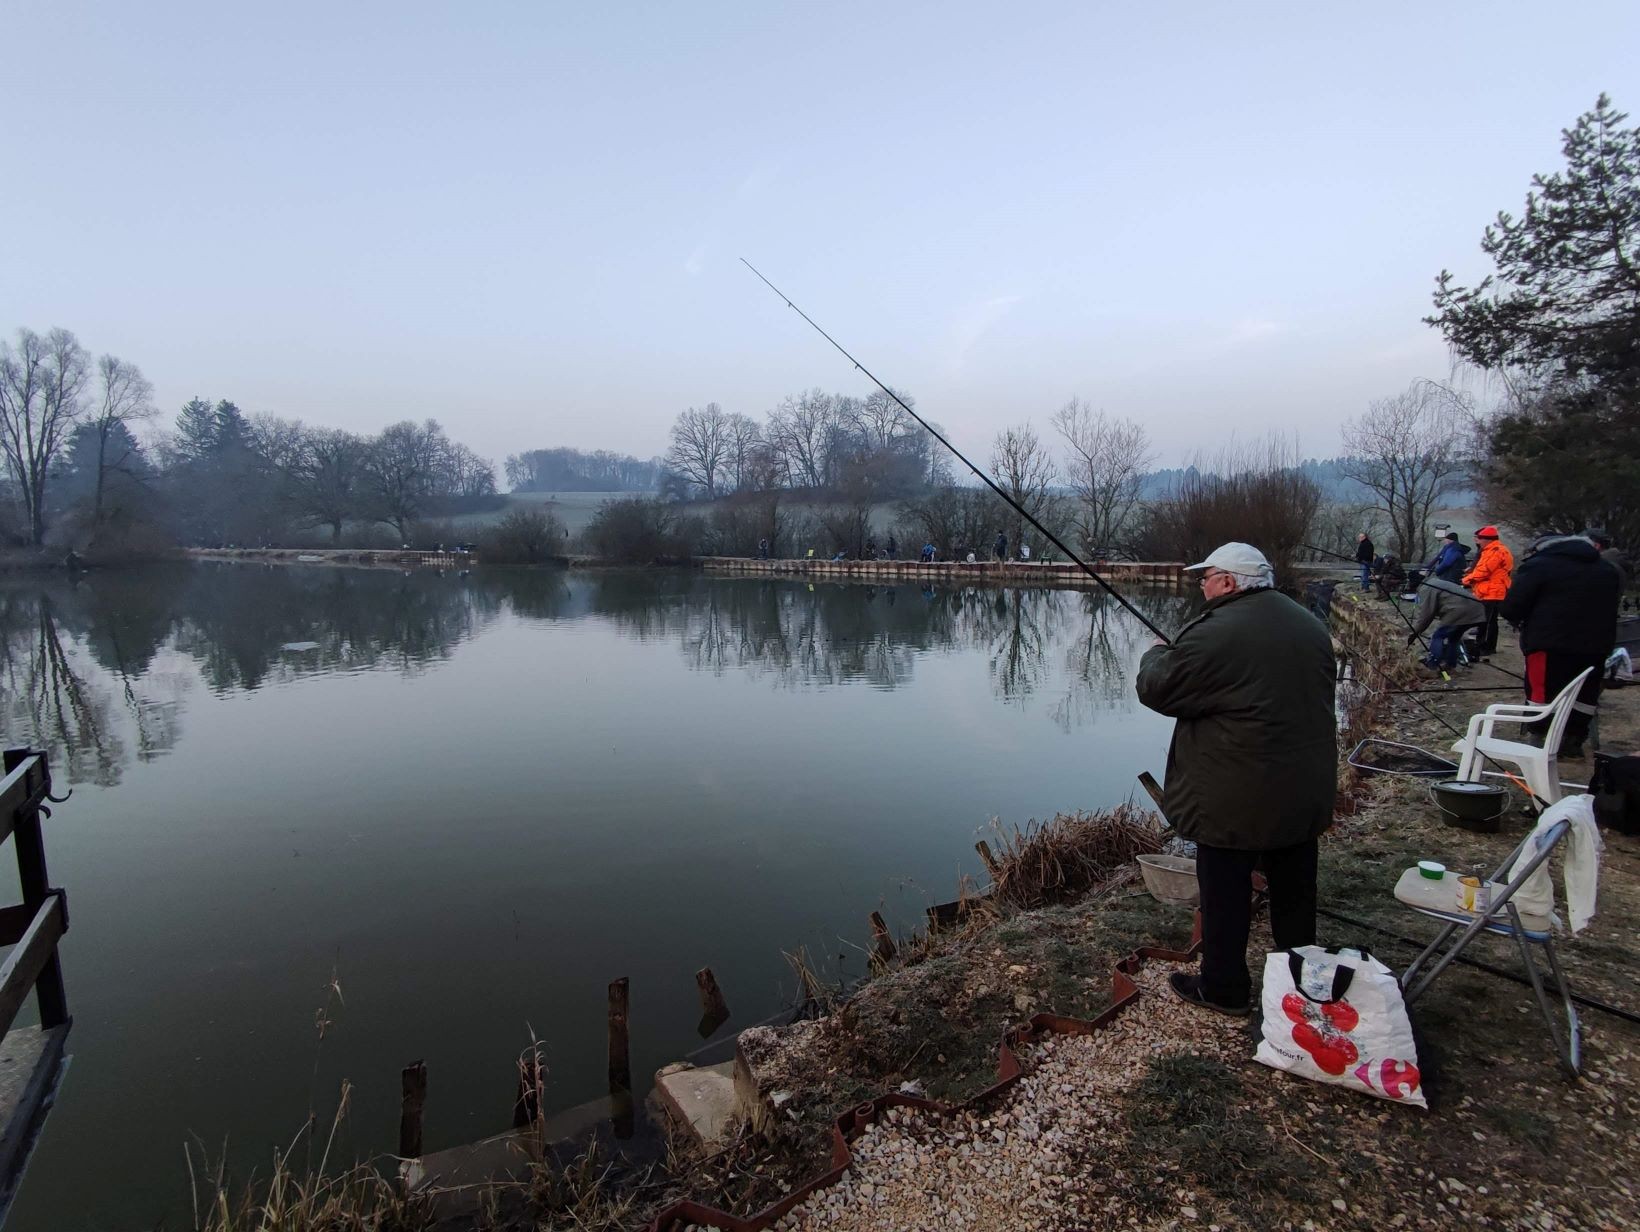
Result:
x=1167 y=575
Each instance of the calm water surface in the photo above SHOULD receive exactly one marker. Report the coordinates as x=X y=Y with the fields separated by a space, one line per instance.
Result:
x=473 y=801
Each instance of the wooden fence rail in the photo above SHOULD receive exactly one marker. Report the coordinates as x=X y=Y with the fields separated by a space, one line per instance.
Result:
x=31 y=1058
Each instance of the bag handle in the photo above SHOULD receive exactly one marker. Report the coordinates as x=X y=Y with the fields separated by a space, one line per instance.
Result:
x=1342 y=975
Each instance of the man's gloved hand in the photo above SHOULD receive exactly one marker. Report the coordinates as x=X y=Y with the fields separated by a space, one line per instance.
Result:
x=1412 y=639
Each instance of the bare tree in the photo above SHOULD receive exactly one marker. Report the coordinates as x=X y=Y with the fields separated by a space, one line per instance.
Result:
x=402 y=470
x=700 y=447
x=742 y=446
x=1409 y=450
x=1252 y=493
x=1107 y=459
x=463 y=473
x=955 y=520
x=800 y=429
x=331 y=479
x=125 y=397
x=1023 y=468
x=882 y=421
x=40 y=387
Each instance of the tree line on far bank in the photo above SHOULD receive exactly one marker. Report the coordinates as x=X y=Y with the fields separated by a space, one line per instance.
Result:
x=80 y=477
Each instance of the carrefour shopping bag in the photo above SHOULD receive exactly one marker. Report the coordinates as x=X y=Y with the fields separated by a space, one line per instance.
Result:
x=1336 y=1015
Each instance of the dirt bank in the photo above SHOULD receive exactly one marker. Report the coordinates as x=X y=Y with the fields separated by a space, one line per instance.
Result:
x=1169 y=1122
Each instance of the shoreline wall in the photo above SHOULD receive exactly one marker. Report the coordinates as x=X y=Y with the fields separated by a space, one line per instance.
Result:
x=393 y=557
x=1165 y=574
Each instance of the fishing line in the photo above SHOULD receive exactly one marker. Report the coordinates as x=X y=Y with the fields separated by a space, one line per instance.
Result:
x=1017 y=507
x=1456 y=688
x=1396 y=603
x=1415 y=695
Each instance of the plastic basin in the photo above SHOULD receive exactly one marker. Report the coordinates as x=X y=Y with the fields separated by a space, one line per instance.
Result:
x=1170 y=879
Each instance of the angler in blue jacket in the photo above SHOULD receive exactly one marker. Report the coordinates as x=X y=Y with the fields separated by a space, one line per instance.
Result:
x=1451 y=562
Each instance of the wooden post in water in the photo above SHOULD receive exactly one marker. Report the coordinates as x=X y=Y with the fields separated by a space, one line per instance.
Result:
x=412 y=1103
x=985 y=855
x=881 y=939
x=620 y=1060
x=714 y=1012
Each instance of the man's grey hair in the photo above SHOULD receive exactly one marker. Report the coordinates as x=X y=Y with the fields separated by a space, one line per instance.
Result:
x=1253 y=581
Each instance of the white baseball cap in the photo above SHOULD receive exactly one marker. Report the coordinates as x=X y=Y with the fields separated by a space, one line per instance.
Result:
x=1241 y=558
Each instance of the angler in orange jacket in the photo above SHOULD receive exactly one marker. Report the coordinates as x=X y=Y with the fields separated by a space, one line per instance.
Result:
x=1489 y=580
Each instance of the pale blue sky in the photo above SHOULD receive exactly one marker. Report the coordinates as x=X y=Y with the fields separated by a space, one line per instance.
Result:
x=523 y=218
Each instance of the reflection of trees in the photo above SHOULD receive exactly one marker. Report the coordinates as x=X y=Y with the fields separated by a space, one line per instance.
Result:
x=1102 y=658
x=96 y=670
x=1019 y=660
x=48 y=703
x=825 y=635
x=67 y=650
x=830 y=633
x=236 y=621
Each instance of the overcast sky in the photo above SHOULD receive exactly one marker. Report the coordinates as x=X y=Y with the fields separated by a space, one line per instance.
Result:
x=523 y=218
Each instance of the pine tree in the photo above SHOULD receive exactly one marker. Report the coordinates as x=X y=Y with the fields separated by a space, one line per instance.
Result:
x=1566 y=292
x=1560 y=319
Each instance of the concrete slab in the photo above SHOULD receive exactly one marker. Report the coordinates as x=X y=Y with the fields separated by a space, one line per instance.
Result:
x=468 y=1168
x=701 y=1101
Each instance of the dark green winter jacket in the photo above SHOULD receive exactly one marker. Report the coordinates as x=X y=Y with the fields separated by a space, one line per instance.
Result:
x=1254 y=760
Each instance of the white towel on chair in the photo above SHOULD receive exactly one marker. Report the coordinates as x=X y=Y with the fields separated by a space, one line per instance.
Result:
x=1582 y=863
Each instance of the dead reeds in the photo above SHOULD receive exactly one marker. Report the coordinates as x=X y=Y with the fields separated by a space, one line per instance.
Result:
x=1044 y=862
x=359 y=1199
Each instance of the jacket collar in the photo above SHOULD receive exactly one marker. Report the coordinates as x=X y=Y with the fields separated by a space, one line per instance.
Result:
x=1215 y=604
x=1451 y=587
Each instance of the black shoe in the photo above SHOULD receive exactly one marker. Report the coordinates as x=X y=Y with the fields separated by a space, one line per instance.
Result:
x=1188 y=988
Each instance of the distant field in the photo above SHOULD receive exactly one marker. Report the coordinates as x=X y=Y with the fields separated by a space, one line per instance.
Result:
x=574 y=509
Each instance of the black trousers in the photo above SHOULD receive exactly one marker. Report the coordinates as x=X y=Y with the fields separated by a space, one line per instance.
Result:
x=1550 y=671
x=1224 y=876
x=1488 y=636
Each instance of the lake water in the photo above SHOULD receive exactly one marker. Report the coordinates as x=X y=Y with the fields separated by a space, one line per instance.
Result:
x=473 y=801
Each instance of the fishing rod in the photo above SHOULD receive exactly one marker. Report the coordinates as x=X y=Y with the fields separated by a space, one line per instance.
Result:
x=1017 y=507
x=1330 y=552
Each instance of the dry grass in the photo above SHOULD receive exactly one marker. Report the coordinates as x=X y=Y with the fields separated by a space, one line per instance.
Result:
x=1046 y=862
x=584 y=1194
x=359 y=1199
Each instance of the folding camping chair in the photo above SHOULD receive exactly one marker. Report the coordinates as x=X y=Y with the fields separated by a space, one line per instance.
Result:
x=1437 y=899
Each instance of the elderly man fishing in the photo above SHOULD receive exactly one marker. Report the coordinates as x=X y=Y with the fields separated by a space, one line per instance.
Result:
x=1253 y=767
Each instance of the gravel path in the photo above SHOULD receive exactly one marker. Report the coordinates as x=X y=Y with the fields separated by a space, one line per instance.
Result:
x=1015 y=1166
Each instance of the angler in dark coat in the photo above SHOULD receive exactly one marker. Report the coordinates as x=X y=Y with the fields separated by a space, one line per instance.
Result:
x=1453 y=611
x=1564 y=598
x=1253 y=768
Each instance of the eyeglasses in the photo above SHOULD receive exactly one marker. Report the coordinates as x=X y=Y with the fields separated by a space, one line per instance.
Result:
x=1208 y=577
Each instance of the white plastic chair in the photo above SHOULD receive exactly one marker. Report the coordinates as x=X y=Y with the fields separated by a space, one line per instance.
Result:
x=1537 y=765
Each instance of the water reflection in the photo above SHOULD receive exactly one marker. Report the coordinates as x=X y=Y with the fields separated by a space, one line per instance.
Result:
x=96 y=670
